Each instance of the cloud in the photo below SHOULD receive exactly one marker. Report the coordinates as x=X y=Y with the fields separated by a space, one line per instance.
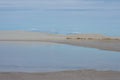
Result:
x=61 y=4
x=89 y=7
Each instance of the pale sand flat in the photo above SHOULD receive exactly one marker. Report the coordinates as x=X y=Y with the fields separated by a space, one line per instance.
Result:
x=83 y=40
x=65 y=75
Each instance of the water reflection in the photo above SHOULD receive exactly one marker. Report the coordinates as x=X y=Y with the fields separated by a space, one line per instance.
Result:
x=50 y=57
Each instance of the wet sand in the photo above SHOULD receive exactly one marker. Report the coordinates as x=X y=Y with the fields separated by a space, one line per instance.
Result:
x=63 y=75
x=83 y=40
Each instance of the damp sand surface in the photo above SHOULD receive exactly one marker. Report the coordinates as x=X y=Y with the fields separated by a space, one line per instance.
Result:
x=63 y=75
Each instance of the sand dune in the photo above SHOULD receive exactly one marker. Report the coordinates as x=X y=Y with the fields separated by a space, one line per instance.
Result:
x=84 y=40
x=64 y=75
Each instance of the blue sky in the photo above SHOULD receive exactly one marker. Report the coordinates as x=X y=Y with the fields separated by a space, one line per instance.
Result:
x=85 y=16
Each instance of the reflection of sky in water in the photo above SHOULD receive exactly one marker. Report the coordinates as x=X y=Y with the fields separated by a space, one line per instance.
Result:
x=48 y=57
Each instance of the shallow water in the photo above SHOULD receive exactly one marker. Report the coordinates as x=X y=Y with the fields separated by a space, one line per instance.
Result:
x=61 y=21
x=54 y=57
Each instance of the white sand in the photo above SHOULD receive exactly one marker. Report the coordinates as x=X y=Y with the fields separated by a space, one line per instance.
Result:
x=83 y=40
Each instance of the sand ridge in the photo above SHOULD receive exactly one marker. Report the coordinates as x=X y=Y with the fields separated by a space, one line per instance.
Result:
x=83 y=40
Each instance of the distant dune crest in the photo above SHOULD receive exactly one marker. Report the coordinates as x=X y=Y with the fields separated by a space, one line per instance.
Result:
x=91 y=37
x=87 y=36
x=21 y=35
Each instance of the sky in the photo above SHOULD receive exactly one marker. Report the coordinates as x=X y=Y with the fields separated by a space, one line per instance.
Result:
x=84 y=16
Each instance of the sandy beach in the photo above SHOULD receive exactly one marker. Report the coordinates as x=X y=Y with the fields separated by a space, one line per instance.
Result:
x=63 y=75
x=83 y=40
